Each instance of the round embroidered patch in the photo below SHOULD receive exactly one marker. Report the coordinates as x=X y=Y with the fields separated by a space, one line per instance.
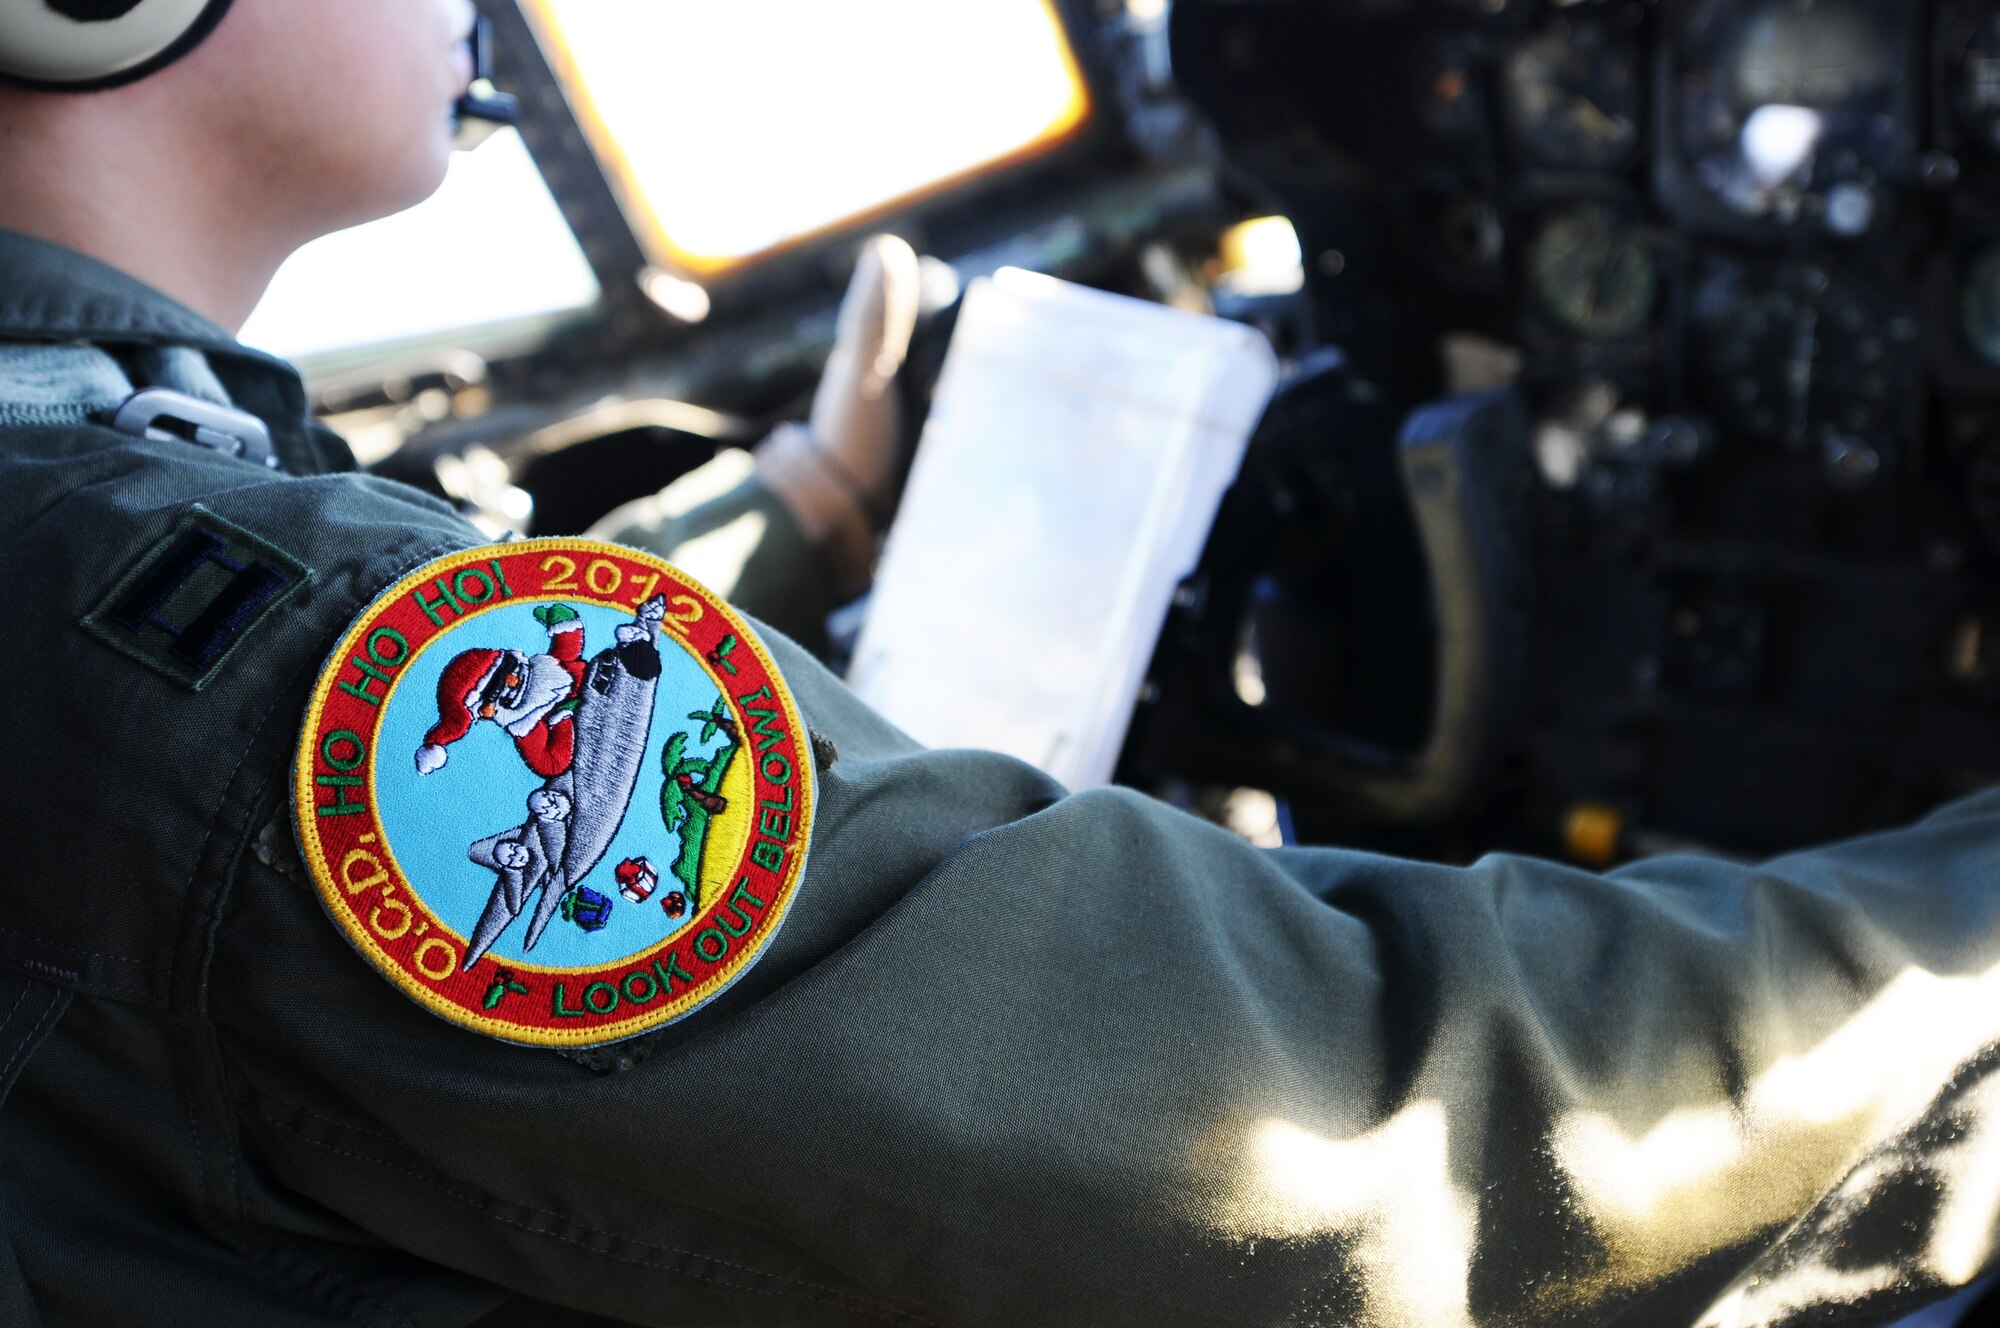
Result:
x=555 y=791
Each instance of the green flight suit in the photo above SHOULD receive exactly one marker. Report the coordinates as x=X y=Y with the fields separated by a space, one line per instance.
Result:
x=1017 y=1058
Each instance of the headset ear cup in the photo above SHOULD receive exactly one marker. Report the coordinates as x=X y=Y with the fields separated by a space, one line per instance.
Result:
x=93 y=11
x=85 y=45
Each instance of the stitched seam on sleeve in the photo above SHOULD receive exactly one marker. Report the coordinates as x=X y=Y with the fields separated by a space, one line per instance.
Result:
x=71 y=949
x=8 y=1018
x=47 y=1011
x=809 y=1291
x=285 y=1262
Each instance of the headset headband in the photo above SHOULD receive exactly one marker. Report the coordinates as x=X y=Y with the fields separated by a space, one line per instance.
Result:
x=88 y=45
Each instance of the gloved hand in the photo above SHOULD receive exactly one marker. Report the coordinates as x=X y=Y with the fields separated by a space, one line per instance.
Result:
x=841 y=473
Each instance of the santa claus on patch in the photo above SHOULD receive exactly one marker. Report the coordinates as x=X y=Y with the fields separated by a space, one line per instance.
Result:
x=533 y=697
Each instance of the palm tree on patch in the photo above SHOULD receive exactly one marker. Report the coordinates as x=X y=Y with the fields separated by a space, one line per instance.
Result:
x=712 y=720
x=712 y=803
x=685 y=775
x=692 y=793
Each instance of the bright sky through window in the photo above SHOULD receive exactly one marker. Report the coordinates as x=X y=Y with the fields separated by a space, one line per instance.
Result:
x=734 y=126
x=490 y=249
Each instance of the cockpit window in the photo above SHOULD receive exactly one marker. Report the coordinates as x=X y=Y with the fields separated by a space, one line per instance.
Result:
x=731 y=130
x=488 y=264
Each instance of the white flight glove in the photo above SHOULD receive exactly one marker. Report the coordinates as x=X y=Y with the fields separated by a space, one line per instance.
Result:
x=841 y=473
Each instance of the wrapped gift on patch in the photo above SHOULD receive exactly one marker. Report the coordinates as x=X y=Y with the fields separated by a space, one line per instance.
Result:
x=637 y=879
x=587 y=908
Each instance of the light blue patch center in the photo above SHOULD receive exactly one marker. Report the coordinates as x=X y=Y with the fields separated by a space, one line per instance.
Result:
x=432 y=820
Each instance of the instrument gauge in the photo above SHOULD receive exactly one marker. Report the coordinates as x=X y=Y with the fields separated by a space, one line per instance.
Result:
x=1593 y=275
x=1573 y=97
x=1979 y=305
x=1976 y=84
x=1797 y=111
x=1801 y=359
x=1451 y=98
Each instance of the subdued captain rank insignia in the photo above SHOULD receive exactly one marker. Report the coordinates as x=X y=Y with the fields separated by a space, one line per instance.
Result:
x=555 y=791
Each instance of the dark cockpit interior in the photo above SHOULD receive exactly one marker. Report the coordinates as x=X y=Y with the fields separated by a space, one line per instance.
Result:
x=1634 y=482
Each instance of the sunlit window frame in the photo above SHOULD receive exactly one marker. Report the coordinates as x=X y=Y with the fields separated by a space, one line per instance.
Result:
x=651 y=232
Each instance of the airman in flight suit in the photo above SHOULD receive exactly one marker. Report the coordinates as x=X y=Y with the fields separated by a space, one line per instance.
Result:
x=1018 y=1056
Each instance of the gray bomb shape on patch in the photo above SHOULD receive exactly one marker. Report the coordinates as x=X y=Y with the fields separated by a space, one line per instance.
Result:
x=574 y=816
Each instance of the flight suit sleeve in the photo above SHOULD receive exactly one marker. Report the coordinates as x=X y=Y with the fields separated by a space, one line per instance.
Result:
x=1026 y=1057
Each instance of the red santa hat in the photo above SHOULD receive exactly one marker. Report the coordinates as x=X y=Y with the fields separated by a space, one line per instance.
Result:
x=458 y=689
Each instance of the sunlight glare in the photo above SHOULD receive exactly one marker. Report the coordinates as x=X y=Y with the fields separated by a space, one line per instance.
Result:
x=734 y=128
x=489 y=248
x=1392 y=1187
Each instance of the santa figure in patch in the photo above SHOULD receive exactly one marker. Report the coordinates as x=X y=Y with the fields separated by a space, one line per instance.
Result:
x=533 y=697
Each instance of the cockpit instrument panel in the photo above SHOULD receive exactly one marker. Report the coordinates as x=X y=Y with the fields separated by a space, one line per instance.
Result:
x=1575 y=94
x=1796 y=112
x=1975 y=83
x=1592 y=274
x=1740 y=261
